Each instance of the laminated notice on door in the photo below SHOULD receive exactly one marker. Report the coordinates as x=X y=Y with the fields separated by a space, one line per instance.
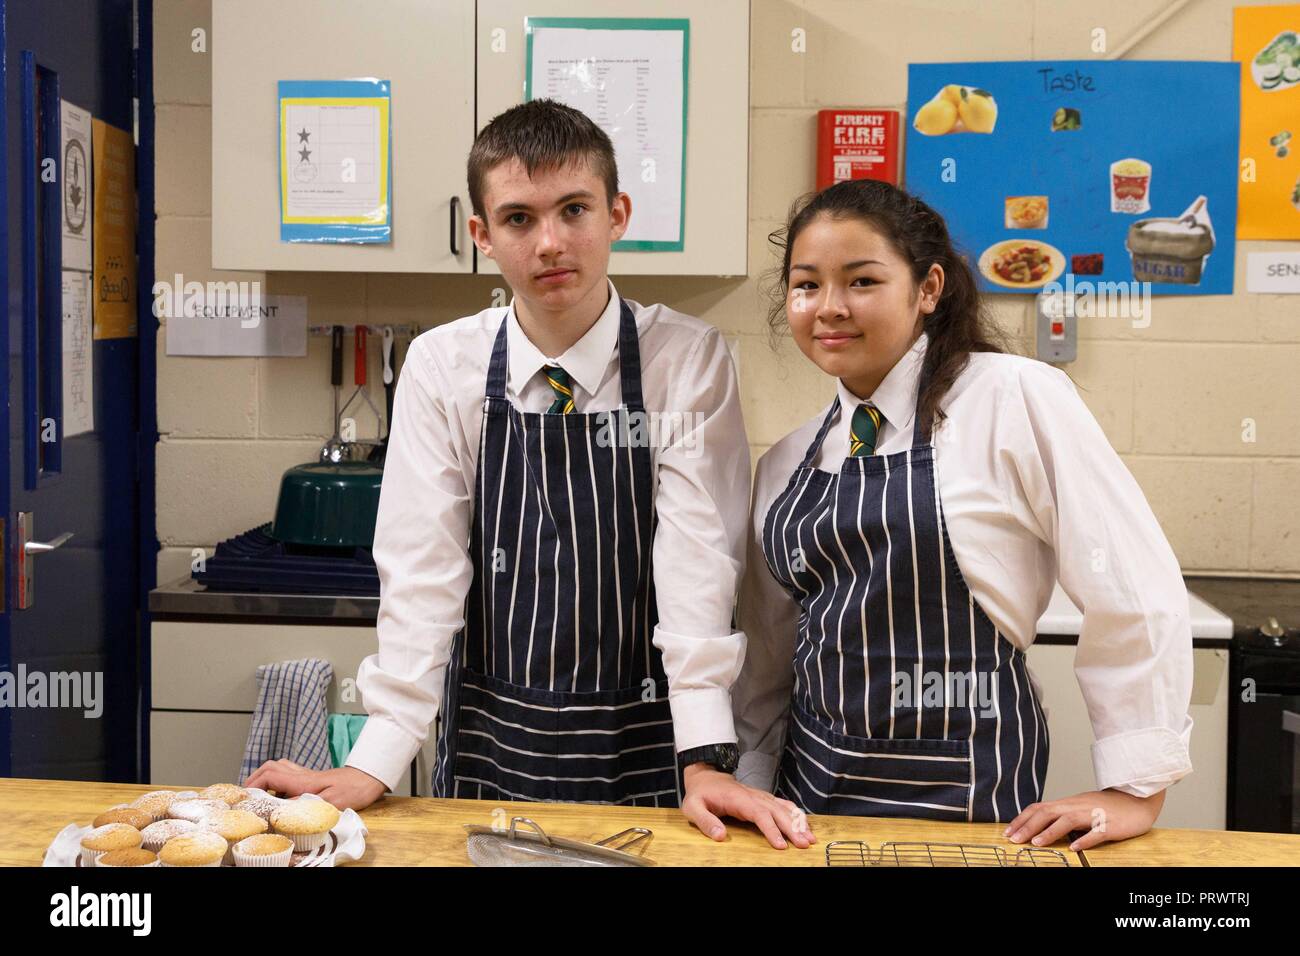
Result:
x=78 y=353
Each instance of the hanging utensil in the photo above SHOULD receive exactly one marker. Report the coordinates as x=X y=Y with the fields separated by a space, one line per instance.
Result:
x=359 y=373
x=380 y=451
x=334 y=450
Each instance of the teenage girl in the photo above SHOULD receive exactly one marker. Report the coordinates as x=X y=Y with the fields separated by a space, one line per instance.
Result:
x=905 y=541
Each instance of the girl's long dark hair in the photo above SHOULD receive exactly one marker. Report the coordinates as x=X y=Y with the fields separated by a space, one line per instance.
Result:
x=958 y=326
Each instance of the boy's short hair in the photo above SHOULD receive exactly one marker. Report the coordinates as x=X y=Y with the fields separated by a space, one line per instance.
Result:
x=541 y=134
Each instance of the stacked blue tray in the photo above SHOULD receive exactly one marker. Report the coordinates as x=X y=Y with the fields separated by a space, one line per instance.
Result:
x=255 y=561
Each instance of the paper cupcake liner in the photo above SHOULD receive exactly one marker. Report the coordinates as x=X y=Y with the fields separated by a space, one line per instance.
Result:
x=306 y=842
x=138 y=866
x=229 y=858
x=174 y=866
x=273 y=859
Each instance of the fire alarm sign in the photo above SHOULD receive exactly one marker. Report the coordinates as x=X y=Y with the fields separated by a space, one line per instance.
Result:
x=856 y=144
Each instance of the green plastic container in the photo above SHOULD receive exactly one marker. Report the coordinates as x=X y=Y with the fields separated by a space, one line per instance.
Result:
x=328 y=505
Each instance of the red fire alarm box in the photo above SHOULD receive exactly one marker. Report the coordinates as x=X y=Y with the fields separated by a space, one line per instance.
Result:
x=857 y=144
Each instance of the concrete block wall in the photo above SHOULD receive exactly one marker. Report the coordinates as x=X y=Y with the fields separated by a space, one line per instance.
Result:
x=1171 y=397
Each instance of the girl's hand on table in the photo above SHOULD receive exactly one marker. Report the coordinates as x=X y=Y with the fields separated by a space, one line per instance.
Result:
x=1105 y=814
x=345 y=787
x=711 y=793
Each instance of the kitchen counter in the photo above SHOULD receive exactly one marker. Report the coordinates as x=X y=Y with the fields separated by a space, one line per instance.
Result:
x=1250 y=602
x=407 y=831
x=186 y=598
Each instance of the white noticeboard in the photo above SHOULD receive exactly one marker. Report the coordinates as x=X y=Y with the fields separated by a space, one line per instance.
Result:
x=631 y=81
x=75 y=167
x=78 y=351
x=257 y=325
x=1273 y=272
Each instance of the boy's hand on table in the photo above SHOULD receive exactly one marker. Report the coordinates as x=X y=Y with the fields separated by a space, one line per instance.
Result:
x=345 y=787
x=1105 y=814
x=711 y=793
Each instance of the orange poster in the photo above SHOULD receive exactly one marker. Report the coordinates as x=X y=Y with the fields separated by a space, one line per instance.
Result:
x=1266 y=42
x=114 y=227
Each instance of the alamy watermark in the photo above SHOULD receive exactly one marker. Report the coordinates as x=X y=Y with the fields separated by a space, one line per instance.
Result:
x=642 y=429
x=74 y=908
x=1086 y=299
x=79 y=690
x=946 y=689
x=209 y=300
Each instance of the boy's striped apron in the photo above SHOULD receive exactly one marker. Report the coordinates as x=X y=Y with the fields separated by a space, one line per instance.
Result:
x=554 y=690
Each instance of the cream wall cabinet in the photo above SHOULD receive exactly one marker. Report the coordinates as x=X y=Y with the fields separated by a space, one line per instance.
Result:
x=440 y=98
x=717 y=124
x=424 y=47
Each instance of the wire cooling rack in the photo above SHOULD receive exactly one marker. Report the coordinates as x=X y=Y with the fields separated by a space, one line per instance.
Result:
x=858 y=853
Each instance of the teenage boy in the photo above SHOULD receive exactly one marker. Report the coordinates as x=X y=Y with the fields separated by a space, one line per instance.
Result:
x=562 y=523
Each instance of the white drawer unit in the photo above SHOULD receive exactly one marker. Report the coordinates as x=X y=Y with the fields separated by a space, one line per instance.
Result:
x=204 y=678
x=1198 y=801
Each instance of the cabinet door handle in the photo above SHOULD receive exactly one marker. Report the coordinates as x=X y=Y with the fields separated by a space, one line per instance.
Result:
x=455 y=223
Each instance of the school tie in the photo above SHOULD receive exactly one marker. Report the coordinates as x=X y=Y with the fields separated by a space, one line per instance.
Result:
x=563 y=390
x=863 y=430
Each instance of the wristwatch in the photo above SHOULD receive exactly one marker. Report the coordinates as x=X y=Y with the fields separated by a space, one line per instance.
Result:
x=722 y=757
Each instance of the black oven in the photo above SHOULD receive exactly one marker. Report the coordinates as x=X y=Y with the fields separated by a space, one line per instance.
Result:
x=1263 y=700
x=1264 y=730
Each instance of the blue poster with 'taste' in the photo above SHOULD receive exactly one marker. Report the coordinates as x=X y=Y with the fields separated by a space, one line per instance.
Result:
x=1060 y=171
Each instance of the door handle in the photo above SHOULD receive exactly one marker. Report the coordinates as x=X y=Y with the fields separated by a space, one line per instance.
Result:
x=25 y=551
x=40 y=547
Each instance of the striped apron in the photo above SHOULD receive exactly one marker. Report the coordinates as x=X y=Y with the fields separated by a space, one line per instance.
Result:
x=554 y=690
x=907 y=699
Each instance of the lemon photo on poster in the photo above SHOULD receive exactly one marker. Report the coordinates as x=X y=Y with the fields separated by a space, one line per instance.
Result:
x=957 y=109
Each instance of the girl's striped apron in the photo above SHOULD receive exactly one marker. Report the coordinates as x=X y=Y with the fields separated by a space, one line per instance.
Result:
x=554 y=690
x=907 y=699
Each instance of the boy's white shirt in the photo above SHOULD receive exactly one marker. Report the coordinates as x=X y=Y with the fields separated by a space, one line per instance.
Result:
x=702 y=482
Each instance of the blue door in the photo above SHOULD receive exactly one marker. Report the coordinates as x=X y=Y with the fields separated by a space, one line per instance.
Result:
x=71 y=506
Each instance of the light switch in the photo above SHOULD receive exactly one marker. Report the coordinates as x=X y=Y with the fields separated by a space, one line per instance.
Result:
x=1056 y=327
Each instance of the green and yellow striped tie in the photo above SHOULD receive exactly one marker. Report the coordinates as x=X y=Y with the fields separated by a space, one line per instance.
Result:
x=863 y=430
x=562 y=388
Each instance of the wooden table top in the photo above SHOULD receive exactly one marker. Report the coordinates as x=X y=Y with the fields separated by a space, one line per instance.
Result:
x=422 y=831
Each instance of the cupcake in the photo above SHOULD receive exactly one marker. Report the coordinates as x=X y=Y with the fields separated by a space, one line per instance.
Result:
x=131 y=816
x=111 y=836
x=224 y=791
x=195 y=810
x=200 y=848
x=137 y=857
x=305 y=822
x=264 y=849
x=233 y=826
x=156 y=834
x=155 y=803
x=262 y=806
